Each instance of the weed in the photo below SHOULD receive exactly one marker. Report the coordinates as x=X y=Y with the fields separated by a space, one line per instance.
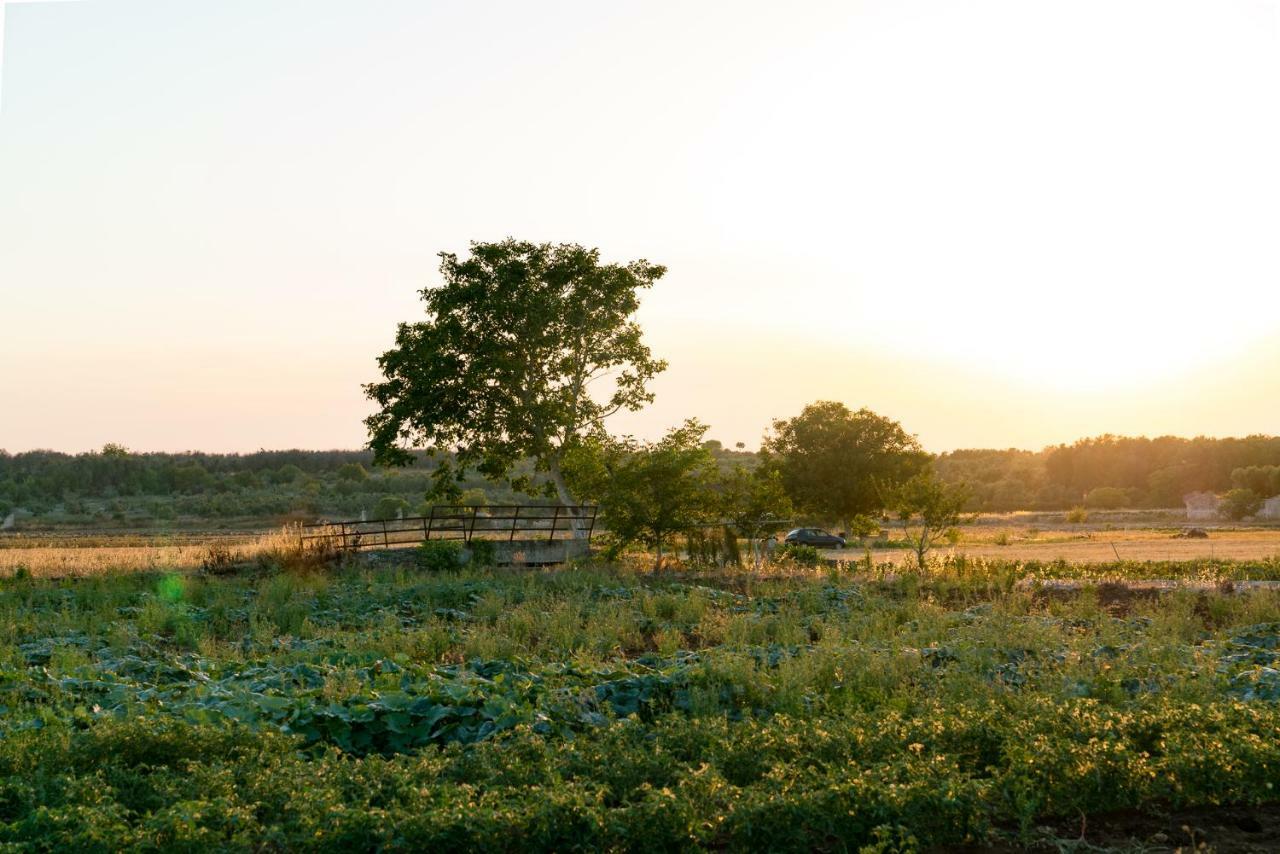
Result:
x=439 y=555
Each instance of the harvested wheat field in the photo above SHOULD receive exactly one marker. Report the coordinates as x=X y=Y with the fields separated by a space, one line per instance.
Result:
x=1099 y=547
x=101 y=554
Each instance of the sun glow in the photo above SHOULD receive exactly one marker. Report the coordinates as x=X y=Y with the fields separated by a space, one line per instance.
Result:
x=1013 y=191
x=1000 y=222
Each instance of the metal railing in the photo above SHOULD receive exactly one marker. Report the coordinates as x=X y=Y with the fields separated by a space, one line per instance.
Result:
x=458 y=522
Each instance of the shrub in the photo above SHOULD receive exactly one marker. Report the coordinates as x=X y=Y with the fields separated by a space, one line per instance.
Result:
x=1077 y=515
x=439 y=555
x=798 y=554
x=1107 y=498
x=483 y=553
x=702 y=549
x=352 y=472
x=862 y=527
x=1240 y=503
x=288 y=473
x=218 y=559
x=390 y=507
x=286 y=551
x=732 y=555
x=474 y=497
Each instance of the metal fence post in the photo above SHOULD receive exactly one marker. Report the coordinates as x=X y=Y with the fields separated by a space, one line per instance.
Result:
x=555 y=520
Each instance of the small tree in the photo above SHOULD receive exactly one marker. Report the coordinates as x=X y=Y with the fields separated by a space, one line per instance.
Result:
x=927 y=508
x=755 y=504
x=505 y=365
x=1240 y=504
x=390 y=507
x=648 y=491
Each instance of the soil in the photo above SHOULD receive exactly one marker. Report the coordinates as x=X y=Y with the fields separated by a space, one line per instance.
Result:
x=1225 y=830
x=1116 y=598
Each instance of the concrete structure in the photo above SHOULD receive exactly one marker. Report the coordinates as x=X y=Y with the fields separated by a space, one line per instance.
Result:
x=1270 y=508
x=1201 y=506
x=536 y=552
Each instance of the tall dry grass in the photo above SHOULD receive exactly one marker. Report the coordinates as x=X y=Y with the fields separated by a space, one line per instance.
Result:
x=68 y=558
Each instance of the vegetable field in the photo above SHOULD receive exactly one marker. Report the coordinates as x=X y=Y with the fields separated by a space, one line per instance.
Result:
x=380 y=707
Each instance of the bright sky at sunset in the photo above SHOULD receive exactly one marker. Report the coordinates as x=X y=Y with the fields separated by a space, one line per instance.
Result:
x=1002 y=223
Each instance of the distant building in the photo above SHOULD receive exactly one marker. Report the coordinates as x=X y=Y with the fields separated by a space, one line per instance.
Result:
x=1270 y=508
x=7 y=523
x=1201 y=506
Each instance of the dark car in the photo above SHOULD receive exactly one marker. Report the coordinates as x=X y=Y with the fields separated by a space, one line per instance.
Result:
x=815 y=537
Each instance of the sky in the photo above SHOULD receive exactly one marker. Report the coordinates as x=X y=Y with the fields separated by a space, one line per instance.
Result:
x=1005 y=224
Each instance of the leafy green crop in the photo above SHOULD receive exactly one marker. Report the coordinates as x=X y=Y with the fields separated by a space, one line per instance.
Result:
x=599 y=709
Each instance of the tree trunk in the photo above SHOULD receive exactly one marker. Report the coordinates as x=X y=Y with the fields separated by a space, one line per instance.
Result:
x=566 y=499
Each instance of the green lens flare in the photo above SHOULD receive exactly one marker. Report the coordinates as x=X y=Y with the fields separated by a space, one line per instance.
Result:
x=171 y=588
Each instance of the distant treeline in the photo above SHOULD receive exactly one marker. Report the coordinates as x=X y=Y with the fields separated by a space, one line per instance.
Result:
x=1108 y=471
x=115 y=483
x=1115 y=471
x=115 y=472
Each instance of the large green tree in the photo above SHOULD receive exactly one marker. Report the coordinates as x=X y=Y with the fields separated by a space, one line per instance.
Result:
x=525 y=349
x=835 y=463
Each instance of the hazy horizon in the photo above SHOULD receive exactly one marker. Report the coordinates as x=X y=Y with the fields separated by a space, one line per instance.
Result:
x=750 y=447
x=1006 y=224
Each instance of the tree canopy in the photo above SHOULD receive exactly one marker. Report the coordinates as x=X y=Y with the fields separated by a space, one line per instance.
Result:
x=649 y=491
x=834 y=462
x=507 y=362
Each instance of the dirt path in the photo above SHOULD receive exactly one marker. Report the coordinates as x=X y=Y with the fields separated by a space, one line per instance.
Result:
x=1100 y=548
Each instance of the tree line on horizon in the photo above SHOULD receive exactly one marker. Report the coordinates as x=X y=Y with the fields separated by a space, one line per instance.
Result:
x=1136 y=471
x=1109 y=472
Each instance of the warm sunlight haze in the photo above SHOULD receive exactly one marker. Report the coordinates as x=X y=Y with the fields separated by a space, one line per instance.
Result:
x=1003 y=223
x=583 y=425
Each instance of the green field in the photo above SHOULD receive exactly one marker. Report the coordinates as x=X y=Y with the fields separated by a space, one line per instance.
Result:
x=604 y=708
